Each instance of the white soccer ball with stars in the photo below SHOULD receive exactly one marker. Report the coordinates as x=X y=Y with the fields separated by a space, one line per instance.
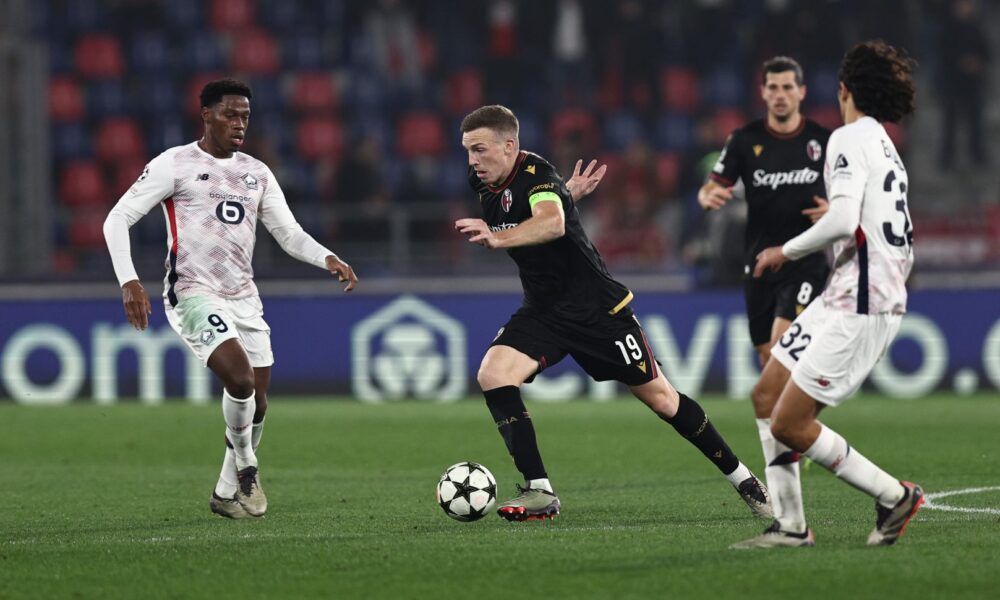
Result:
x=467 y=491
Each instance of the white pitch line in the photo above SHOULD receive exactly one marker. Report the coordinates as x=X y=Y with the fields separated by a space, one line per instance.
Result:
x=931 y=498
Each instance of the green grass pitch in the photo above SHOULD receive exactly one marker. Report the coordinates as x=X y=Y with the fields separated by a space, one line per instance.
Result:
x=112 y=502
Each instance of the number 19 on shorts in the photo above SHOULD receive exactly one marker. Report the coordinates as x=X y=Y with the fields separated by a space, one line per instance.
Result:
x=629 y=348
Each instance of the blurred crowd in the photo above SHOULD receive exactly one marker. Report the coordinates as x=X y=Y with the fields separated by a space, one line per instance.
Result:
x=356 y=106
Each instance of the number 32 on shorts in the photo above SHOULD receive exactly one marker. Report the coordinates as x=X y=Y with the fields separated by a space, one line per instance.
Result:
x=795 y=337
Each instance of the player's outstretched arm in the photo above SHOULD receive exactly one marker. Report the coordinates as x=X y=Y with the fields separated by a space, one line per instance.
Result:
x=713 y=196
x=582 y=184
x=342 y=270
x=547 y=223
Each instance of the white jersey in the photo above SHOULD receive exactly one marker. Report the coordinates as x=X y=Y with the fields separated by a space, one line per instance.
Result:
x=211 y=206
x=869 y=269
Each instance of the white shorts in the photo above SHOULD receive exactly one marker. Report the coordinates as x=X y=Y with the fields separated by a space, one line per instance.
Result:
x=831 y=352
x=204 y=322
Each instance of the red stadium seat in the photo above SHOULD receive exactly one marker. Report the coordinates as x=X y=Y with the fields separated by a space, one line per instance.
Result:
x=897 y=134
x=255 y=52
x=679 y=89
x=65 y=99
x=99 y=56
x=725 y=121
x=465 y=91
x=320 y=138
x=119 y=138
x=420 y=134
x=575 y=122
x=193 y=97
x=127 y=172
x=668 y=171
x=314 y=92
x=86 y=229
x=81 y=183
x=231 y=15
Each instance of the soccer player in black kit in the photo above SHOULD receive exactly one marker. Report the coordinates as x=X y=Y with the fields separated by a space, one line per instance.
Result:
x=572 y=306
x=780 y=160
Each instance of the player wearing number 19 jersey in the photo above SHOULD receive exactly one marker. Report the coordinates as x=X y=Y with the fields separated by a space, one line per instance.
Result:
x=212 y=196
x=572 y=306
x=833 y=345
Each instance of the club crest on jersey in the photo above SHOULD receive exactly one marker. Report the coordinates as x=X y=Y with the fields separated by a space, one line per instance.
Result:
x=814 y=150
x=506 y=200
x=757 y=149
x=207 y=336
x=250 y=180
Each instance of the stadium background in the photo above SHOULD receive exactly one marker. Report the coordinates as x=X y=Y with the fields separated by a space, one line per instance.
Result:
x=356 y=108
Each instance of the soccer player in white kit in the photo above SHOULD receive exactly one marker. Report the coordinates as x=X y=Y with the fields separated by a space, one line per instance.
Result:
x=833 y=345
x=212 y=196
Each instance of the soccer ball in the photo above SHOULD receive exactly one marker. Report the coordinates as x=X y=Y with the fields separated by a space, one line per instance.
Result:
x=467 y=491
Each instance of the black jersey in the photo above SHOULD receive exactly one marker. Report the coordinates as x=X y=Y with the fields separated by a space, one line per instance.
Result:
x=566 y=277
x=781 y=173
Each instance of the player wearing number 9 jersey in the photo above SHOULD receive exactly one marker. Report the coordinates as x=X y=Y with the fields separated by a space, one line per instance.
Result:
x=835 y=343
x=212 y=196
x=572 y=306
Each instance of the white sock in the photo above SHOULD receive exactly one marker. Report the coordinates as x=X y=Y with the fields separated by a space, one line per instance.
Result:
x=256 y=431
x=782 y=472
x=833 y=452
x=540 y=484
x=740 y=474
x=226 y=486
x=238 y=414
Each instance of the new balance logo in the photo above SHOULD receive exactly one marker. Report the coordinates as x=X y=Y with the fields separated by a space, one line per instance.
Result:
x=201 y=177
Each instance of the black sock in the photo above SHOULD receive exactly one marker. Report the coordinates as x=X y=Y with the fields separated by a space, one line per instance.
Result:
x=692 y=423
x=514 y=424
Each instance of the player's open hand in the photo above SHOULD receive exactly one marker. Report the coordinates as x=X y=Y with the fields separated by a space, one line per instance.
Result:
x=342 y=270
x=477 y=231
x=715 y=198
x=769 y=258
x=136 y=302
x=581 y=184
x=815 y=214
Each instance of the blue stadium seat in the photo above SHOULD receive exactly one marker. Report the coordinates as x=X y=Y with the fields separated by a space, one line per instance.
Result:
x=724 y=87
x=155 y=95
x=267 y=96
x=80 y=16
x=303 y=50
x=621 y=129
x=71 y=141
x=168 y=130
x=276 y=127
x=299 y=178
x=365 y=90
x=373 y=124
x=107 y=98
x=674 y=132
x=202 y=52
x=150 y=52
x=532 y=131
x=823 y=83
x=286 y=17
x=185 y=15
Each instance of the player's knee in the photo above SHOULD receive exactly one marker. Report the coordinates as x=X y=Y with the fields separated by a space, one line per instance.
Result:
x=785 y=431
x=489 y=377
x=241 y=385
x=763 y=398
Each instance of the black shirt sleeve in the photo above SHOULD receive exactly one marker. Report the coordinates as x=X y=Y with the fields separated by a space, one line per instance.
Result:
x=729 y=167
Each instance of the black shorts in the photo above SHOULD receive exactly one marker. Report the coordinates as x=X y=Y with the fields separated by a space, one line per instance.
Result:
x=785 y=298
x=611 y=348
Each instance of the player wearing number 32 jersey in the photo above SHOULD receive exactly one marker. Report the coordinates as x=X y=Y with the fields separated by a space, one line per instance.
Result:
x=213 y=196
x=831 y=347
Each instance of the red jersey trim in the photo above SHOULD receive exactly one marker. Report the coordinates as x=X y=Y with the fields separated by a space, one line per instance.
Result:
x=513 y=173
x=785 y=136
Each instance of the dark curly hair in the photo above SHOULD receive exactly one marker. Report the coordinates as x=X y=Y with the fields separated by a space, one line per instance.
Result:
x=213 y=91
x=880 y=77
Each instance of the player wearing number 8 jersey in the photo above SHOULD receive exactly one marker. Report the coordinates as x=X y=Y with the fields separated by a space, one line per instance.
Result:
x=833 y=345
x=212 y=197
x=572 y=306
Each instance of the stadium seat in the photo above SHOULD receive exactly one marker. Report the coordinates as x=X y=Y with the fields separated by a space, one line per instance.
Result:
x=725 y=121
x=532 y=131
x=577 y=123
x=420 y=134
x=71 y=141
x=202 y=51
x=679 y=89
x=231 y=15
x=125 y=173
x=150 y=54
x=81 y=183
x=320 y=138
x=724 y=87
x=303 y=50
x=167 y=131
x=86 y=228
x=255 y=52
x=288 y=17
x=107 y=98
x=313 y=92
x=668 y=171
x=119 y=138
x=155 y=95
x=185 y=15
x=267 y=95
x=621 y=129
x=897 y=134
x=193 y=96
x=366 y=90
x=99 y=56
x=822 y=81
x=674 y=132
x=65 y=99
x=78 y=16
x=465 y=91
